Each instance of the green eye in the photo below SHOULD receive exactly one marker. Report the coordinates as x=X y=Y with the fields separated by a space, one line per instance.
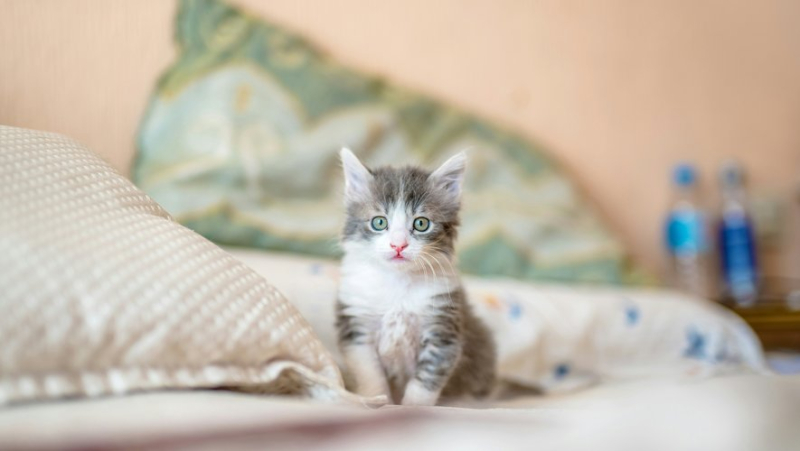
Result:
x=379 y=223
x=421 y=224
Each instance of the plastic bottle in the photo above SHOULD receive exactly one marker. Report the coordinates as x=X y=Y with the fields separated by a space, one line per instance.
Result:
x=686 y=235
x=737 y=244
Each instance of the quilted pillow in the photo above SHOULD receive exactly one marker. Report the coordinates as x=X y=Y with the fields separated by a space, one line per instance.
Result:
x=102 y=293
x=241 y=137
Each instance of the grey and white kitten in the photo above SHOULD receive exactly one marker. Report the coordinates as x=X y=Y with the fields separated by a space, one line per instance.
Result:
x=404 y=326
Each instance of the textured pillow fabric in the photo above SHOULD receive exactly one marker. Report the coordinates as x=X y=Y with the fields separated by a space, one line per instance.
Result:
x=241 y=137
x=102 y=293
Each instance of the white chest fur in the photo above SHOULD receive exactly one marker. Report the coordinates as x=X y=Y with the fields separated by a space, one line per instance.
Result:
x=395 y=305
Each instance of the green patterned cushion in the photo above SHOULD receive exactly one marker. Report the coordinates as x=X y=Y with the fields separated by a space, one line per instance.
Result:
x=241 y=137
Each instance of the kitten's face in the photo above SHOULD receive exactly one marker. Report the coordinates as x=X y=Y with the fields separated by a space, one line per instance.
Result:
x=402 y=217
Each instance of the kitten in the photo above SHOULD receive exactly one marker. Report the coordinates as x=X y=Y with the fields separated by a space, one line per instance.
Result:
x=404 y=326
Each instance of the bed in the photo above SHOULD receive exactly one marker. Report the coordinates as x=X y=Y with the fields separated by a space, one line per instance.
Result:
x=123 y=329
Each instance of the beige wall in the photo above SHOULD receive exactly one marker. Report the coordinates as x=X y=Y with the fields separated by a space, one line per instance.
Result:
x=618 y=90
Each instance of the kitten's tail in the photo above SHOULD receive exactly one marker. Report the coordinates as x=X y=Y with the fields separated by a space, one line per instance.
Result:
x=502 y=390
x=505 y=389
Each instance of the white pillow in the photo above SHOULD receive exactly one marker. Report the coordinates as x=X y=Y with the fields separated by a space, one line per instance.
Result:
x=102 y=293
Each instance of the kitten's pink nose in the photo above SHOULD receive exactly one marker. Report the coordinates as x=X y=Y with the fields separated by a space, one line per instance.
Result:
x=399 y=248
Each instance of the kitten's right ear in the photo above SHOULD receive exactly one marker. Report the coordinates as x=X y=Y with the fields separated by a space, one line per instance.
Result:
x=356 y=176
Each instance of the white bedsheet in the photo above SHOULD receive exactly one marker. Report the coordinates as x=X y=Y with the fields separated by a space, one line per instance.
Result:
x=559 y=338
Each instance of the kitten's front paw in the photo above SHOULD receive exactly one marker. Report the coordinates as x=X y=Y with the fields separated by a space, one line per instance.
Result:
x=417 y=395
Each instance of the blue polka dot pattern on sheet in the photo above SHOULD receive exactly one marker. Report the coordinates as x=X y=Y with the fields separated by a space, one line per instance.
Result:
x=561 y=371
x=696 y=344
x=514 y=306
x=632 y=315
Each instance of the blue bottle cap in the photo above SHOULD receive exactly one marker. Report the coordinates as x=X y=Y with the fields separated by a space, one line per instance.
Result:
x=684 y=174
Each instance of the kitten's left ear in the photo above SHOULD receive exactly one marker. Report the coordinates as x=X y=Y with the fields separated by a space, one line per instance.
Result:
x=450 y=175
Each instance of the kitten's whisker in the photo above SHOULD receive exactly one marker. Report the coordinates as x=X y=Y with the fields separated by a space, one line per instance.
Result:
x=424 y=270
x=444 y=274
x=446 y=284
x=446 y=260
x=444 y=252
x=450 y=264
x=433 y=272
